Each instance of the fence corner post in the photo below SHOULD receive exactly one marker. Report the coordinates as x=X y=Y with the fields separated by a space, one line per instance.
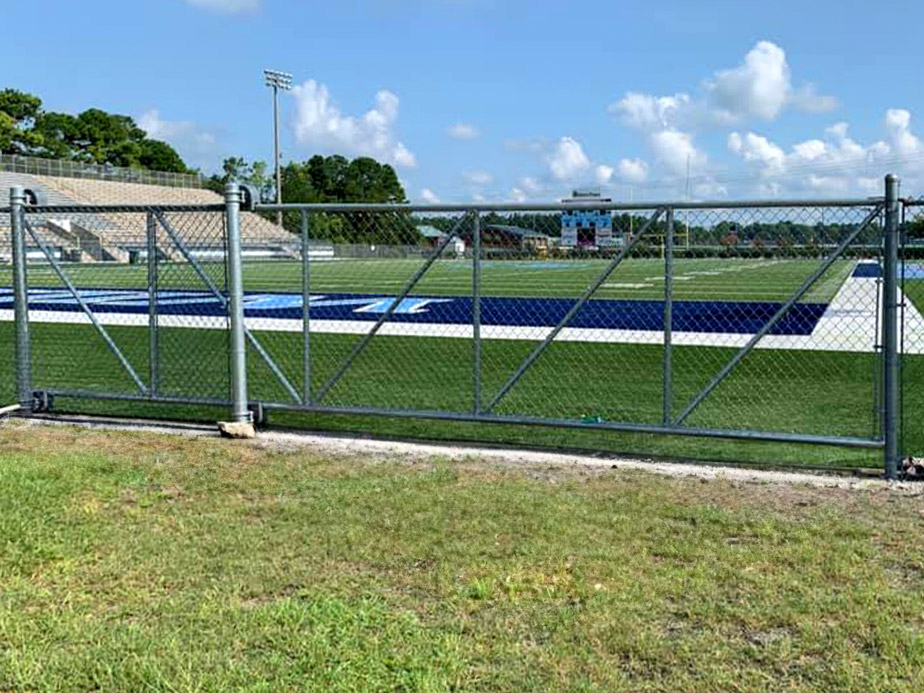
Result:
x=240 y=413
x=21 y=300
x=891 y=396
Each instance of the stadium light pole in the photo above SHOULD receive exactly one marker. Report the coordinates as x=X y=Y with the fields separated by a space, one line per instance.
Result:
x=277 y=80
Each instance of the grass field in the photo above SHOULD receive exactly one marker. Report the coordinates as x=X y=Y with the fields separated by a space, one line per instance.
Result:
x=793 y=391
x=123 y=569
x=711 y=279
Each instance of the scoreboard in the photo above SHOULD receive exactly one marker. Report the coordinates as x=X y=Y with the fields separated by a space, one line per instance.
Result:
x=587 y=228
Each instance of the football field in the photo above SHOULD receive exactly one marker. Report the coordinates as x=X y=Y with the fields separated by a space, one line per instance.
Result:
x=641 y=278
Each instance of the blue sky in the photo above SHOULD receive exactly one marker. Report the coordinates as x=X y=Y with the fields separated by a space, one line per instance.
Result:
x=504 y=100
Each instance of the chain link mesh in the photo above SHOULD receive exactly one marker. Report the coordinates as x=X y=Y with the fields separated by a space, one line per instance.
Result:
x=775 y=312
x=90 y=290
x=912 y=287
x=7 y=336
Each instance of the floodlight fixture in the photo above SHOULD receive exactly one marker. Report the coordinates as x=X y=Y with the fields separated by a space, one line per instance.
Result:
x=277 y=80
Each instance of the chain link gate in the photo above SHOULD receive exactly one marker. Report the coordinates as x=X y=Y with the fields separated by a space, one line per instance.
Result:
x=495 y=322
x=767 y=320
x=912 y=334
x=124 y=303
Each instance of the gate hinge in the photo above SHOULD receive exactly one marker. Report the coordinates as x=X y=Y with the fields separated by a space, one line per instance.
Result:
x=257 y=413
x=42 y=401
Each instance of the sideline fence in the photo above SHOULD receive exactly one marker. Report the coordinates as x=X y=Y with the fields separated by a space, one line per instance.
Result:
x=789 y=321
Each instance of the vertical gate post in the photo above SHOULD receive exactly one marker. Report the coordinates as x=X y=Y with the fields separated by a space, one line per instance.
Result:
x=476 y=309
x=21 y=299
x=306 y=309
x=667 y=378
x=891 y=396
x=239 y=409
x=153 y=343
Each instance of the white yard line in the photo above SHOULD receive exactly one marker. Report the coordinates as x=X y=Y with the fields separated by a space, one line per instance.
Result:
x=849 y=324
x=845 y=332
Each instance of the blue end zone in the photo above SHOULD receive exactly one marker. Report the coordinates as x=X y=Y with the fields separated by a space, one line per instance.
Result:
x=868 y=270
x=874 y=269
x=737 y=317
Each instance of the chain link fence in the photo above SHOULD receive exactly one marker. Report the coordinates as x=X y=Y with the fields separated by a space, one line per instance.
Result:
x=7 y=343
x=912 y=287
x=751 y=320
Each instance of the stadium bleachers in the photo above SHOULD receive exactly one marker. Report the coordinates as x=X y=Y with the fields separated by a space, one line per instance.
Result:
x=112 y=236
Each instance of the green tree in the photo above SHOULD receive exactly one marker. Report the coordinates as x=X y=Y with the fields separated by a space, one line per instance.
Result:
x=93 y=136
x=235 y=169
x=18 y=111
x=160 y=156
x=56 y=133
x=334 y=179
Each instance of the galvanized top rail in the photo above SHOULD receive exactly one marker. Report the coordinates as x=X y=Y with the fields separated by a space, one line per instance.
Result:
x=121 y=209
x=566 y=206
x=77 y=169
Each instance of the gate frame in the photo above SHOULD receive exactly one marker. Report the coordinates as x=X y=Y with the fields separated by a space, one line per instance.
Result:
x=307 y=401
x=481 y=413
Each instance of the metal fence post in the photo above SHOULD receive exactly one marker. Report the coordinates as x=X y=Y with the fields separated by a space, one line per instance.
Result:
x=891 y=394
x=306 y=309
x=239 y=409
x=21 y=299
x=667 y=393
x=476 y=309
x=153 y=358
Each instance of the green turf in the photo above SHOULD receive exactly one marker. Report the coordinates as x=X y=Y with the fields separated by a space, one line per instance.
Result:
x=135 y=562
x=711 y=279
x=435 y=374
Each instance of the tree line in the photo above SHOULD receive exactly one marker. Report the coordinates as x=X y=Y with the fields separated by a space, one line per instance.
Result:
x=92 y=136
x=97 y=137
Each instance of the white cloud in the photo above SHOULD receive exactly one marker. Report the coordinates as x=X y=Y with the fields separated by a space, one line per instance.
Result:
x=478 y=177
x=518 y=195
x=462 y=131
x=757 y=148
x=898 y=127
x=810 y=150
x=632 y=170
x=198 y=146
x=758 y=87
x=675 y=149
x=646 y=112
x=838 y=131
x=567 y=160
x=808 y=100
x=835 y=164
x=227 y=5
x=319 y=123
x=429 y=197
x=603 y=174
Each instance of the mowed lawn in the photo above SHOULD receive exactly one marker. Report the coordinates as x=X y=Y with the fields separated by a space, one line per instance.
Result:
x=136 y=561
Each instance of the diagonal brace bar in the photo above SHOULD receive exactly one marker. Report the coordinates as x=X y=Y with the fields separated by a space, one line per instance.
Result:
x=212 y=287
x=412 y=282
x=590 y=291
x=770 y=324
x=113 y=347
